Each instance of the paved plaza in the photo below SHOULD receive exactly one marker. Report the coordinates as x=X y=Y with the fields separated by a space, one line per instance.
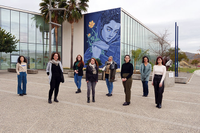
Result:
x=180 y=112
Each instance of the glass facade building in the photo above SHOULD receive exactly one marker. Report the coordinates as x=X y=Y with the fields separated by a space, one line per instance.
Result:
x=32 y=32
x=134 y=35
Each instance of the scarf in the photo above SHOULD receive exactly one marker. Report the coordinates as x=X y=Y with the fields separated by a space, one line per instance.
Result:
x=94 y=71
x=55 y=62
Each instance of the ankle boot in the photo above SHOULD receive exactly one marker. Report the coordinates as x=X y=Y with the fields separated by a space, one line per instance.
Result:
x=88 y=100
x=78 y=91
x=93 y=99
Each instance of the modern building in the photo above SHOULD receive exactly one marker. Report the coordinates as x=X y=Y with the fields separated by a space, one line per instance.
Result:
x=100 y=34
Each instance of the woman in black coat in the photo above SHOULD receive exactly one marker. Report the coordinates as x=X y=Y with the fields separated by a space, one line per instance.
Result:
x=91 y=78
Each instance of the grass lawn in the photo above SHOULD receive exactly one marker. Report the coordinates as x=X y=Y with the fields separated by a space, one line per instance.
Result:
x=190 y=70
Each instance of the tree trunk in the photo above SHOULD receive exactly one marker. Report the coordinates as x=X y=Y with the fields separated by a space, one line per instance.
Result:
x=56 y=34
x=134 y=66
x=72 y=33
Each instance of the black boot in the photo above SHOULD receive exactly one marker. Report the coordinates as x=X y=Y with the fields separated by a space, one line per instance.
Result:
x=78 y=91
x=88 y=100
x=56 y=100
x=93 y=99
x=49 y=101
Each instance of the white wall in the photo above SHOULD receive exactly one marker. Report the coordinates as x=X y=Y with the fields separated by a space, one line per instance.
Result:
x=78 y=41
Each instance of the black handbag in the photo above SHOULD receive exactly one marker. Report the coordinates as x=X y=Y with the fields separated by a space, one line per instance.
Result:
x=62 y=78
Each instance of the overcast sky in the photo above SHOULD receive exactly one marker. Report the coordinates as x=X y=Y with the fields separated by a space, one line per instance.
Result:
x=157 y=15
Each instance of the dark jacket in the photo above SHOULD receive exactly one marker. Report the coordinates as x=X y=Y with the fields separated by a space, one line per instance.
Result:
x=80 y=69
x=90 y=76
x=112 y=71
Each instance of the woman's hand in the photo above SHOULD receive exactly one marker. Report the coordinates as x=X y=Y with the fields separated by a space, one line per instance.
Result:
x=87 y=81
x=152 y=83
x=124 y=79
x=160 y=85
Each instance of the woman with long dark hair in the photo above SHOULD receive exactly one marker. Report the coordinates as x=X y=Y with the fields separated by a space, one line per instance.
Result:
x=55 y=72
x=126 y=75
x=91 y=78
x=21 y=69
x=158 y=76
x=145 y=70
x=78 y=72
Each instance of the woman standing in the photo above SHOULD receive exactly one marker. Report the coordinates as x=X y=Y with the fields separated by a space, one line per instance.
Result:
x=55 y=71
x=21 y=69
x=126 y=75
x=78 y=72
x=110 y=71
x=159 y=72
x=145 y=70
x=91 y=78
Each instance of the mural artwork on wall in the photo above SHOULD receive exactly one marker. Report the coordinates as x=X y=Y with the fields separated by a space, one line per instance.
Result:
x=102 y=36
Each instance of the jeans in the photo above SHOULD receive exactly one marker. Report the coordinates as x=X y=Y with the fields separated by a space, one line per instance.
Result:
x=77 y=80
x=21 y=80
x=109 y=85
x=91 y=86
x=145 y=88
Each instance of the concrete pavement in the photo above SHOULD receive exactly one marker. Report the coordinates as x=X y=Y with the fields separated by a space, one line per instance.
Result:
x=32 y=113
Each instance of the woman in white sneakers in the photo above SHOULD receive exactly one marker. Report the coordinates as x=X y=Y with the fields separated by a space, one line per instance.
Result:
x=158 y=76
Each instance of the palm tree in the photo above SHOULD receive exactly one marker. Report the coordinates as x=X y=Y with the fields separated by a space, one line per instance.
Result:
x=137 y=55
x=74 y=14
x=57 y=16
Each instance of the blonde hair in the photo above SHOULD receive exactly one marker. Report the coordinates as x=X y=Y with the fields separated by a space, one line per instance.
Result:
x=110 y=57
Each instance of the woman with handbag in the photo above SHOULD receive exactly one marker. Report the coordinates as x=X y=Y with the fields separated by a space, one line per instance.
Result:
x=91 y=78
x=78 y=72
x=55 y=72
x=145 y=70
x=110 y=71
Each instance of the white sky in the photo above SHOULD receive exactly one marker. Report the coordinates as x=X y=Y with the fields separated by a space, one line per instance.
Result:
x=157 y=15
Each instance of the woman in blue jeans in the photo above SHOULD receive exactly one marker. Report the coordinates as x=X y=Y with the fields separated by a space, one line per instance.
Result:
x=78 y=72
x=110 y=71
x=21 y=69
x=145 y=70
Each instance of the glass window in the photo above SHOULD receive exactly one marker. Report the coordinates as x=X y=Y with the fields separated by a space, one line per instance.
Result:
x=32 y=56
x=32 y=28
x=15 y=23
x=5 y=19
x=39 y=57
x=23 y=27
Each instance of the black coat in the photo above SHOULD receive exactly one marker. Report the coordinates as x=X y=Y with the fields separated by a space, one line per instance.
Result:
x=80 y=69
x=90 y=76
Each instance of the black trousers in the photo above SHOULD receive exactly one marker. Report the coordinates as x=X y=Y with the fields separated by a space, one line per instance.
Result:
x=54 y=86
x=158 y=90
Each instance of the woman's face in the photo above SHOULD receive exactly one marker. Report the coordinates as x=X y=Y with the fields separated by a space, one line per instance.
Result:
x=22 y=59
x=145 y=60
x=127 y=59
x=110 y=30
x=92 y=61
x=159 y=61
x=55 y=57
x=79 y=58
x=110 y=59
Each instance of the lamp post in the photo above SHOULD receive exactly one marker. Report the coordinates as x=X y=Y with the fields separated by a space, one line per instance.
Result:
x=176 y=49
x=50 y=23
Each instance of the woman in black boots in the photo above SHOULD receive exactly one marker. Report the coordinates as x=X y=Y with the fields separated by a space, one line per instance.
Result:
x=55 y=71
x=126 y=75
x=78 y=72
x=91 y=78
x=158 y=76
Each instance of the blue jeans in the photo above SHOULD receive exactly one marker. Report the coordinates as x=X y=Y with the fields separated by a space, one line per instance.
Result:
x=109 y=85
x=21 y=80
x=77 y=80
x=145 y=88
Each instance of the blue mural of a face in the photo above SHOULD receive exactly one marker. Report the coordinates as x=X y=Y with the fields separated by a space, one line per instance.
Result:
x=110 y=30
x=102 y=36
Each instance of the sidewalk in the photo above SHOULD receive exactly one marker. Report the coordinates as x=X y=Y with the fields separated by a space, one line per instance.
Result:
x=32 y=113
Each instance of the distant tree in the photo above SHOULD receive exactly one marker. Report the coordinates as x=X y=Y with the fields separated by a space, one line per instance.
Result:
x=163 y=44
x=195 y=62
x=74 y=14
x=7 y=42
x=137 y=55
x=171 y=53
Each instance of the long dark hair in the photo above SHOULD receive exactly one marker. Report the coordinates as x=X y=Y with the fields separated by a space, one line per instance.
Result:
x=52 y=55
x=81 y=61
x=94 y=61
x=159 y=57
x=143 y=59
x=19 y=61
